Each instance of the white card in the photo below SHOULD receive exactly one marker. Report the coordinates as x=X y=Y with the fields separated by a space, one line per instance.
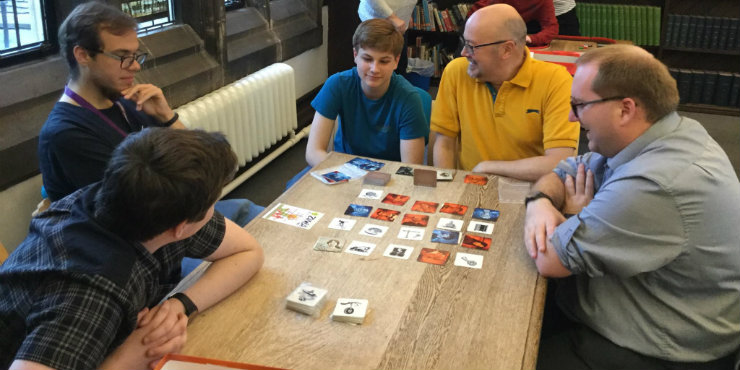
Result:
x=450 y=224
x=293 y=216
x=345 y=224
x=371 y=194
x=374 y=230
x=473 y=261
x=398 y=251
x=444 y=175
x=480 y=227
x=360 y=248
x=350 y=308
x=307 y=295
x=411 y=233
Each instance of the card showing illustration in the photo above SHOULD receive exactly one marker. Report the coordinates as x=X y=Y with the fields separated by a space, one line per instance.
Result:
x=476 y=179
x=433 y=256
x=398 y=251
x=480 y=227
x=476 y=242
x=373 y=230
x=486 y=214
x=396 y=199
x=411 y=219
x=445 y=236
x=472 y=261
x=358 y=210
x=370 y=194
x=411 y=233
x=455 y=209
x=293 y=216
x=366 y=164
x=426 y=207
x=360 y=248
x=450 y=224
x=385 y=214
x=405 y=171
x=329 y=244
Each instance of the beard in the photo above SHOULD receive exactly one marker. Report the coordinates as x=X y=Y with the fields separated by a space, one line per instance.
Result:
x=105 y=89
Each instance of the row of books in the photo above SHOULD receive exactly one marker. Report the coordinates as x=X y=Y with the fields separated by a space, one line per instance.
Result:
x=428 y=17
x=640 y=24
x=436 y=54
x=707 y=87
x=700 y=32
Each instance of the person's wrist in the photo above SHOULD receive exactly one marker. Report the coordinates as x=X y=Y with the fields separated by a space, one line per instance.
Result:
x=188 y=307
x=172 y=120
x=537 y=196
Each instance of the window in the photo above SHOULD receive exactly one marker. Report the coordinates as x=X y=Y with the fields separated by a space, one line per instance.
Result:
x=150 y=14
x=23 y=28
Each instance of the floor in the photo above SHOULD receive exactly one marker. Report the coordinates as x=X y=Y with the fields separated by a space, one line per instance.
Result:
x=264 y=187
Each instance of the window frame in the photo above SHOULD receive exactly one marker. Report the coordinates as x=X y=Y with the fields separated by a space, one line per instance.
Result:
x=48 y=46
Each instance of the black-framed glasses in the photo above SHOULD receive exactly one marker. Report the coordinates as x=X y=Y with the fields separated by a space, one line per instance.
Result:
x=471 y=48
x=574 y=106
x=126 y=60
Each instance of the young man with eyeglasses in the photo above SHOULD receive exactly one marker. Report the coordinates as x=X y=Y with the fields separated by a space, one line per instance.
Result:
x=508 y=111
x=102 y=104
x=642 y=230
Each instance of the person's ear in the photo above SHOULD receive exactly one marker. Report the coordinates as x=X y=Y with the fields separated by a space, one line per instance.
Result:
x=81 y=55
x=629 y=110
x=180 y=230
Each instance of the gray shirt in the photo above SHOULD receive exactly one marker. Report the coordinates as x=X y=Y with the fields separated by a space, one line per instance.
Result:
x=657 y=251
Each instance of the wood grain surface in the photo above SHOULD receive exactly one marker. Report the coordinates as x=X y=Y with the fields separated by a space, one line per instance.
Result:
x=420 y=316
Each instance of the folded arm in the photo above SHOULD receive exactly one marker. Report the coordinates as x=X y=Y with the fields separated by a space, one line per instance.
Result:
x=529 y=169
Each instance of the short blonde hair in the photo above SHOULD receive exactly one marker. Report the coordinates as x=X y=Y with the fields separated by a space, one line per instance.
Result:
x=378 y=34
x=626 y=70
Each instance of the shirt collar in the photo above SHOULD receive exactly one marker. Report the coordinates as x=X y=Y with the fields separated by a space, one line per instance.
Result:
x=523 y=77
x=657 y=130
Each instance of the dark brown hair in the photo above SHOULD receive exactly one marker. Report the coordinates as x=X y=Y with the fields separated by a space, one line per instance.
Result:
x=378 y=34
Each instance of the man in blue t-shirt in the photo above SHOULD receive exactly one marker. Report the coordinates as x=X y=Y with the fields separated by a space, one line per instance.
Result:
x=380 y=114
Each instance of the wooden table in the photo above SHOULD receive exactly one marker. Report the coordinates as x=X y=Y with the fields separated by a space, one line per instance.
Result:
x=421 y=316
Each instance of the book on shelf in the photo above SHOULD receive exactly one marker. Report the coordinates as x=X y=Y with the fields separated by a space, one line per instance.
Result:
x=683 y=27
x=733 y=37
x=671 y=30
x=684 y=85
x=735 y=91
x=709 y=88
x=697 y=85
x=724 y=83
x=428 y=25
x=691 y=33
x=699 y=34
x=724 y=32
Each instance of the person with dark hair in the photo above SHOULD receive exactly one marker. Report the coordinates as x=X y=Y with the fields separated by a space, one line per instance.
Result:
x=85 y=289
x=641 y=230
x=101 y=103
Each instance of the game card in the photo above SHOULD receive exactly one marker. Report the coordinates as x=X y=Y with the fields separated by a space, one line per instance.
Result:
x=358 y=210
x=293 y=216
x=455 y=209
x=398 y=251
x=486 y=214
x=360 y=248
x=307 y=295
x=385 y=214
x=374 y=230
x=328 y=244
x=433 y=256
x=444 y=175
x=480 y=227
x=339 y=174
x=366 y=164
x=405 y=171
x=411 y=233
x=411 y=219
x=395 y=199
x=445 y=236
x=450 y=224
x=370 y=194
x=350 y=310
x=476 y=179
x=345 y=224
x=426 y=207
x=472 y=261
x=476 y=242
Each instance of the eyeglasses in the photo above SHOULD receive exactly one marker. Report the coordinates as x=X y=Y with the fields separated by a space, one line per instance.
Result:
x=574 y=106
x=126 y=60
x=470 y=49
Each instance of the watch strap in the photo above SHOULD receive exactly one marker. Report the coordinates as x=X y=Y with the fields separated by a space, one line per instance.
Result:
x=190 y=307
x=536 y=196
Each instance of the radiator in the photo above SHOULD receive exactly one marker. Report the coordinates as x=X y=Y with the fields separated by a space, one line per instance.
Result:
x=254 y=113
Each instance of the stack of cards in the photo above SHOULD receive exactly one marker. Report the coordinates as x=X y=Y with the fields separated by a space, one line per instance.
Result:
x=350 y=310
x=306 y=299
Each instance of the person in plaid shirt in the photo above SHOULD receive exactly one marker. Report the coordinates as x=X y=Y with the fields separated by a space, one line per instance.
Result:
x=84 y=290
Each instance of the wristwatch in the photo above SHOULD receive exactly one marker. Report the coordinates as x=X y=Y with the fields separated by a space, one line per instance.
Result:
x=536 y=196
x=190 y=307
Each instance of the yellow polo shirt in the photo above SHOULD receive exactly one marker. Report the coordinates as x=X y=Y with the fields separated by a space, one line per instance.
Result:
x=530 y=113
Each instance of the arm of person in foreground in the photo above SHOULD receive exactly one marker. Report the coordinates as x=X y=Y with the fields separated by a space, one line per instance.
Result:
x=322 y=129
x=444 y=151
x=528 y=169
x=412 y=151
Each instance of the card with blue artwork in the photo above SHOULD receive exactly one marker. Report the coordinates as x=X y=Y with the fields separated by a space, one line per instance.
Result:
x=339 y=174
x=366 y=164
x=358 y=210
x=486 y=214
x=445 y=236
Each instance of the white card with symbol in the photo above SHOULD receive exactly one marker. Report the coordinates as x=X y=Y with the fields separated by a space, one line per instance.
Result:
x=472 y=261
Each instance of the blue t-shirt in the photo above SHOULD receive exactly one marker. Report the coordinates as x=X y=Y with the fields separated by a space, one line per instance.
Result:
x=371 y=128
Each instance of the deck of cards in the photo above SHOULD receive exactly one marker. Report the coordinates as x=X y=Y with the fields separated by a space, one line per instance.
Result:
x=306 y=299
x=350 y=310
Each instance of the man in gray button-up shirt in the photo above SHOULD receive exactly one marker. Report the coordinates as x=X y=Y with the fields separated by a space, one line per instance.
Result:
x=653 y=244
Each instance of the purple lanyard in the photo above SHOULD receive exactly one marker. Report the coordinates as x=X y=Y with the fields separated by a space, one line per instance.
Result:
x=83 y=103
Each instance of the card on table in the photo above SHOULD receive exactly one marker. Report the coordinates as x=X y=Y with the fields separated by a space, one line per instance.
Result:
x=374 y=230
x=433 y=256
x=476 y=242
x=370 y=194
x=350 y=310
x=445 y=236
x=358 y=210
x=411 y=219
x=476 y=179
x=486 y=214
x=453 y=208
x=360 y=248
x=398 y=251
x=385 y=214
x=469 y=260
x=444 y=175
x=425 y=178
x=450 y=224
x=306 y=299
x=396 y=199
x=480 y=227
x=339 y=174
x=345 y=224
x=426 y=207
x=411 y=233
x=405 y=171
x=293 y=216
x=377 y=178
x=328 y=244
x=366 y=164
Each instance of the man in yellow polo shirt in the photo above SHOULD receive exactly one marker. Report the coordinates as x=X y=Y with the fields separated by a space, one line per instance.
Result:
x=509 y=110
